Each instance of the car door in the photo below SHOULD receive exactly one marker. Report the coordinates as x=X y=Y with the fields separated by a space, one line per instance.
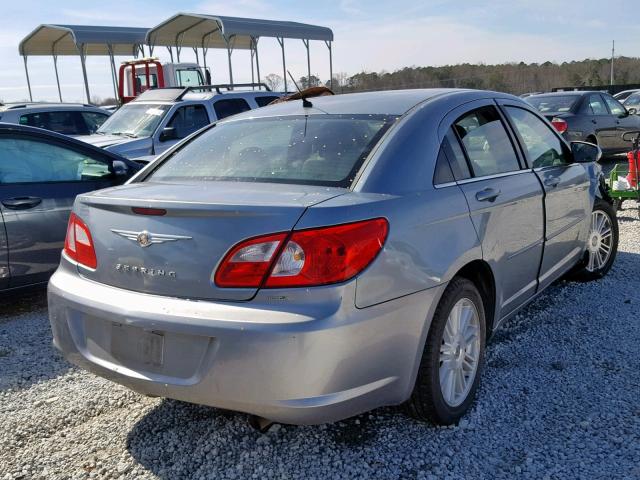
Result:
x=505 y=200
x=40 y=177
x=624 y=121
x=566 y=185
x=4 y=256
x=183 y=122
x=604 y=124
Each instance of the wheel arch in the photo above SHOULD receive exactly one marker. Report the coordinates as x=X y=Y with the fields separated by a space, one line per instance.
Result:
x=479 y=272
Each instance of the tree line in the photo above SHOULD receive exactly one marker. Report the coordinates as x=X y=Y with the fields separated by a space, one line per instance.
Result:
x=516 y=78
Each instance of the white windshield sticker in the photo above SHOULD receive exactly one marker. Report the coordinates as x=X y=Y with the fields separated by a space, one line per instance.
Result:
x=155 y=111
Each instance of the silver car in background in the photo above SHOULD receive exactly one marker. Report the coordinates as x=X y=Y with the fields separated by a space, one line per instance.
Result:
x=71 y=119
x=310 y=261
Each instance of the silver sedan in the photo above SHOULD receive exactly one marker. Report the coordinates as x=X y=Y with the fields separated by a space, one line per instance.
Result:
x=313 y=260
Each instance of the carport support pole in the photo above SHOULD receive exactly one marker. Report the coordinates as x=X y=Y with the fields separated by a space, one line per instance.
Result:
x=284 y=63
x=328 y=43
x=55 y=67
x=84 y=72
x=114 y=76
x=26 y=70
x=204 y=62
x=255 y=46
x=306 y=45
x=229 y=52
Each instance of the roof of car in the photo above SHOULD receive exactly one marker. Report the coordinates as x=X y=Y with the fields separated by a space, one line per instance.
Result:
x=50 y=105
x=173 y=94
x=388 y=102
x=574 y=93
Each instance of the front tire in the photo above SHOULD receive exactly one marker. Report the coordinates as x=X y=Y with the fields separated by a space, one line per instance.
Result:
x=453 y=356
x=602 y=244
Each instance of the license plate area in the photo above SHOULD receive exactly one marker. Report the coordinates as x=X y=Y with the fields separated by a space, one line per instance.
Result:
x=132 y=345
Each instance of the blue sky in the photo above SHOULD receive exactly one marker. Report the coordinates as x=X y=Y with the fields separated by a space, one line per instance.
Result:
x=369 y=35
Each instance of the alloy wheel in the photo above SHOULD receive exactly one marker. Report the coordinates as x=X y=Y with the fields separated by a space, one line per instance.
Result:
x=459 y=352
x=599 y=243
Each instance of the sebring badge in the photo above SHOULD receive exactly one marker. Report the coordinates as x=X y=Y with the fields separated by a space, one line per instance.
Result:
x=145 y=271
x=144 y=238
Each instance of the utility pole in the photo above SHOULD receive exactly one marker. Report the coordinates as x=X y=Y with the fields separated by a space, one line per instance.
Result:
x=613 y=51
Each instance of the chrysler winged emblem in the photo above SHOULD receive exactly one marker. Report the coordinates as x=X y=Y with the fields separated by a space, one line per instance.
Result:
x=144 y=238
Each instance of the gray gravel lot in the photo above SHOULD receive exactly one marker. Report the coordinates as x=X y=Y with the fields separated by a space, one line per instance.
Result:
x=560 y=399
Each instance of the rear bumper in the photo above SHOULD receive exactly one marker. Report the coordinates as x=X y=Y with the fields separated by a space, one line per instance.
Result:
x=278 y=356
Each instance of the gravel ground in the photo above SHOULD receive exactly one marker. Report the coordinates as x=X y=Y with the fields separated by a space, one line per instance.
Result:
x=560 y=399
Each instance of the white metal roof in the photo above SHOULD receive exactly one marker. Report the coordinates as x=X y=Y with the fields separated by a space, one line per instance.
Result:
x=49 y=39
x=213 y=31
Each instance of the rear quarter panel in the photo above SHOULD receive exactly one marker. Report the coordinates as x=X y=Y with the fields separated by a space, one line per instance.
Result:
x=430 y=238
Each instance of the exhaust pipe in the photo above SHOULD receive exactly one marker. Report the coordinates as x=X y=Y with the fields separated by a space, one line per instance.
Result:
x=260 y=424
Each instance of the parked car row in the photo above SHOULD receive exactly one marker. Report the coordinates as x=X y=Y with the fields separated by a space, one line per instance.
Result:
x=312 y=260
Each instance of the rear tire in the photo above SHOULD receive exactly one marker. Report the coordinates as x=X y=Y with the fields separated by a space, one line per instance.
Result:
x=602 y=244
x=453 y=356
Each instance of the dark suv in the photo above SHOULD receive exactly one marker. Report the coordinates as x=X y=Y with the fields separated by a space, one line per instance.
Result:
x=594 y=117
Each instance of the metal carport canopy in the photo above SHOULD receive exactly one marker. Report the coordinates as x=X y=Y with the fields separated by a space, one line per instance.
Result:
x=82 y=40
x=216 y=31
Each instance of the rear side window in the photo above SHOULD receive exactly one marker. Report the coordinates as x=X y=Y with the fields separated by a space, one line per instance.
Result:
x=596 y=105
x=69 y=122
x=25 y=160
x=542 y=146
x=314 y=150
x=486 y=142
x=230 y=106
x=266 y=100
x=443 y=173
x=456 y=157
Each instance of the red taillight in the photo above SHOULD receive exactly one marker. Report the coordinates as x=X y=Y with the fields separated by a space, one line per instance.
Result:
x=248 y=262
x=316 y=256
x=559 y=124
x=78 y=245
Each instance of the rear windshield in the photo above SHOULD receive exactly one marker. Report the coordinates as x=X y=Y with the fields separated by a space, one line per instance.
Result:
x=555 y=103
x=315 y=150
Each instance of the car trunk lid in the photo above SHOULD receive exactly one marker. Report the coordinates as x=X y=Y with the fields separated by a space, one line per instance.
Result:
x=176 y=253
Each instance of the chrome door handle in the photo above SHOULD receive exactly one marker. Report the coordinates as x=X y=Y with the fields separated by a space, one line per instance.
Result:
x=487 y=195
x=21 y=203
x=551 y=182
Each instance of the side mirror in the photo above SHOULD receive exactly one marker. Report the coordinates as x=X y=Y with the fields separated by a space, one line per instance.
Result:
x=585 y=152
x=168 y=133
x=120 y=169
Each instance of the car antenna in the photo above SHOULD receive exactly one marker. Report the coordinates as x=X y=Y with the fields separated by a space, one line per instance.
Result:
x=305 y=103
